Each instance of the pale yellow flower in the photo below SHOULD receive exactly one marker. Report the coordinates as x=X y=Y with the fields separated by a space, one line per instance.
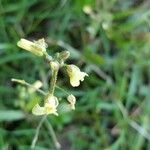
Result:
x=36 y=47
x=72 y=100
x=75 y=75
x=50 y=107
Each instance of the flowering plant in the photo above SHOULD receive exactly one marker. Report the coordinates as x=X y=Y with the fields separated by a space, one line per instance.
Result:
x=56 y=63
x=51 y=102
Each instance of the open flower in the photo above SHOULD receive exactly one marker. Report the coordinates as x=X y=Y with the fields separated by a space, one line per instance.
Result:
x=72 y=100
x=75 y=75
x=36 y=47
x=49 y=107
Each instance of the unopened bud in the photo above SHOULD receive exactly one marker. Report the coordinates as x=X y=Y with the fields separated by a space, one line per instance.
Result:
x=54 y=65
x=18 y=80
x=72 y=100
x=38 y=84
x=64 y=55
x=36 y=47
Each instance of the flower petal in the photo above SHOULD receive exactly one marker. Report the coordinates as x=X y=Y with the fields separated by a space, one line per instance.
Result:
x=50 y=109
x=82 y=75
x=74 y=82
x=53 y=101
x=37 y=110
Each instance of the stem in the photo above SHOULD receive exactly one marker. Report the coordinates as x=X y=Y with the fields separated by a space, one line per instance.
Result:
x=62 y=90
x=53 y=81
x=53 y=135
x=23 y=82
x=37 y=132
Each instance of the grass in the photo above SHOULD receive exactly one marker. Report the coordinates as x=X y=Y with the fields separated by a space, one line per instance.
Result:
x=111 y=45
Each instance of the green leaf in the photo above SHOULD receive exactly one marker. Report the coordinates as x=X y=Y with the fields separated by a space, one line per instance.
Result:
x=11 y=115
x=93 y=58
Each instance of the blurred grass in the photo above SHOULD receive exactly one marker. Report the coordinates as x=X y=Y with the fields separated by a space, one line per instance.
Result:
x=111 y=45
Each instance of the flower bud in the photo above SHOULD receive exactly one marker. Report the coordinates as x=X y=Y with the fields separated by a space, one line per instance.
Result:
x=72 y=100
x=38 y=84
x=64 y=55
x=36 y=47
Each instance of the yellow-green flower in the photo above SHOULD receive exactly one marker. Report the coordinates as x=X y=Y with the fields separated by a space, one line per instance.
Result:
x=72 y=100
x=75 y=75
x=36 y=47
x=49 y=107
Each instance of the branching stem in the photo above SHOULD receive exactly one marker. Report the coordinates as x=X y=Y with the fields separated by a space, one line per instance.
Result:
x=37 y=132
x=52 y=134
x=23 y=82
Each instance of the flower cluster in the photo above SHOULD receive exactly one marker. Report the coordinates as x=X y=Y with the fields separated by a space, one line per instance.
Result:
x=58 y=61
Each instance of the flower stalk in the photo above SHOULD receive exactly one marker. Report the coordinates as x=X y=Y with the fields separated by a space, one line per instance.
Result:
x=53 y=81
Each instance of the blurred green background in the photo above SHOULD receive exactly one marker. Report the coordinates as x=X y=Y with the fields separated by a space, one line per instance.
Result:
x=108 y=39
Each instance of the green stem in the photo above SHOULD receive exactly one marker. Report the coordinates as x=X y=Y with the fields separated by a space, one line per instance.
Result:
x=53 y=135
x=62 y=90
x=53 y=81
x=23 y=82
x=37 y=133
